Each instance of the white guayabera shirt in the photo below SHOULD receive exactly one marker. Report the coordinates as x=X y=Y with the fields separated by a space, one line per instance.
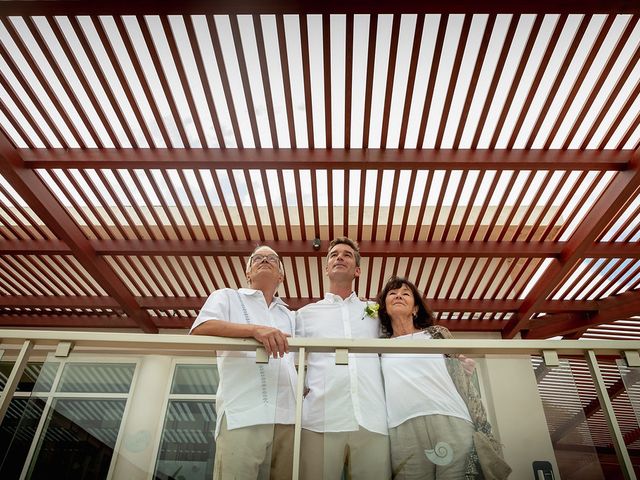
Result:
x=342 y=398
x=249 y=393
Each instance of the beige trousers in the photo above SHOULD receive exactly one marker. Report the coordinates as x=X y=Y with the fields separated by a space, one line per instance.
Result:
x=430 y=447
x=324 y=455
x=258 y=452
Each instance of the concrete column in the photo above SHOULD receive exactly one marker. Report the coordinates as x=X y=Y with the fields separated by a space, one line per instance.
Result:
x=516 y=413
x=143 y=420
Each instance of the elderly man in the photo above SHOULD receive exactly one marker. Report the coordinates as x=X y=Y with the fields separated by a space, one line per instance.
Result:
x=344 y=416
x=255 y=403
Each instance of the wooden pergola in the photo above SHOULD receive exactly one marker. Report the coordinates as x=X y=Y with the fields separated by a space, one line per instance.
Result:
x=489 y=153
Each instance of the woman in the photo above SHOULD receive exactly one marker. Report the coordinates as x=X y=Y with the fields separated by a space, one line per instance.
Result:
x=430 y=428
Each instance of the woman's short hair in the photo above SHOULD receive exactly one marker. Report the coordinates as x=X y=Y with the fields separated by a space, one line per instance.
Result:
x=424 y=317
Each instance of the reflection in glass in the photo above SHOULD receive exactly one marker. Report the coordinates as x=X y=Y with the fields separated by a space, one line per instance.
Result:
x=187 y=449
x=631 y=379
x=96 y=377
x=16 y=434
x=78 y=439
x=36 y=377
x=570 y=435
x=195 y=379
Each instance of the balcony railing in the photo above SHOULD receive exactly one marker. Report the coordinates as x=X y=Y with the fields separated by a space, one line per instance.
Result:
x=509 y=370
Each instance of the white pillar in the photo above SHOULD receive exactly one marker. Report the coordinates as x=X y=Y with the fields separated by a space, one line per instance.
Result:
x=517 y=414
x=143 y=420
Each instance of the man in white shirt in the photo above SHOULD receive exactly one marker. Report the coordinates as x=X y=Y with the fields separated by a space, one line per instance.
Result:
x=255 y=404
x=344 y=420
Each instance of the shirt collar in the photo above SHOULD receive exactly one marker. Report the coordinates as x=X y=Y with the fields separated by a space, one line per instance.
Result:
x=332 y=298
x=251 y=291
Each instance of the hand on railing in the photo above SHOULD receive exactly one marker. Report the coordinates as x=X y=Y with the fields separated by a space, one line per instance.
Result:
x=468 y=364
x=274 y=340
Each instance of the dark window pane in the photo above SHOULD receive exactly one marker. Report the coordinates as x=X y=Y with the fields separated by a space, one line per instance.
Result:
x=187 y=449
x=16 y=435
x=78 y=439
x=195 y=379
x=36 y=377
x=96 y=377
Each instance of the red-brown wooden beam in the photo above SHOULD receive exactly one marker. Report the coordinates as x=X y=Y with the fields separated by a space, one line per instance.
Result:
x=342 y=159
x=619 y=191
x=67 y=321
x=196 y=302
x=33 y=191
x=303 y=248
x=609 y=310
x=171 y=322
x=206 y=7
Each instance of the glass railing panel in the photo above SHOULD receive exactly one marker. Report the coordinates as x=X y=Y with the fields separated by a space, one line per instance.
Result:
x=249 y=433
x=187 y=449
x=195 y=380
x=566 y=413
x=630 y=377
x=78 y=439
x=70 y=424
x=37 y=376
x=626 y=404
x=96 y=378
x=17 y=433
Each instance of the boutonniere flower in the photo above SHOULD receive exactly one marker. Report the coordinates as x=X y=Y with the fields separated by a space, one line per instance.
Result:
x=371 y=310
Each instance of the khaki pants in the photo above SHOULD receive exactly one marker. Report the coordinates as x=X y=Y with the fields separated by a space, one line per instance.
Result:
x=324 y=455
x=430 y=447
x=258 y=452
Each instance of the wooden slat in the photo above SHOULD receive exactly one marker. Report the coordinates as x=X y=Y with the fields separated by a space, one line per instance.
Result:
x=602 y=78
x=33 y=96
x=286 y=79
x=497 y=74
x=348 y=79
x=326 y=63
x=244 y=75
x=10 y=114
x=411 y=80
x=160 y=71
x=368 y=95
x=435 y=64
x=606 y=27
x=391 y=73
x=182 y=75
x=524 y=60
x=224 y=79
x=204 y=80
x=473 y=83
x=542 y=67
x=266 y=85
x=453 y=80
x=122 y=79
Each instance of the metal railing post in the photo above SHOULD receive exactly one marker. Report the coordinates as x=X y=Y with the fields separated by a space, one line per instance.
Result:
x=14 y=377
x=297 y=433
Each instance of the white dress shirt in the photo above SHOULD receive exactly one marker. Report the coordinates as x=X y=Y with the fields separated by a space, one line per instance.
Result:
x=342 y=398
x=249 y=393
x=419 y=384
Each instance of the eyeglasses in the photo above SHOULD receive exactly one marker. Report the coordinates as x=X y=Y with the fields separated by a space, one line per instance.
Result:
x=271 y=258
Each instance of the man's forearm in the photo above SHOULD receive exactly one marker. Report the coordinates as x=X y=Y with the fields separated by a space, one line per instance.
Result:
x=221 y=328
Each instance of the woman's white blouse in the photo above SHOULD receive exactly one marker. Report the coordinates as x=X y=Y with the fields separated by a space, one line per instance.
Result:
x=419 y=384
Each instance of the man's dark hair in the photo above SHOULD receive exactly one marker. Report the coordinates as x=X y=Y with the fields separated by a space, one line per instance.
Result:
x=346 y=241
